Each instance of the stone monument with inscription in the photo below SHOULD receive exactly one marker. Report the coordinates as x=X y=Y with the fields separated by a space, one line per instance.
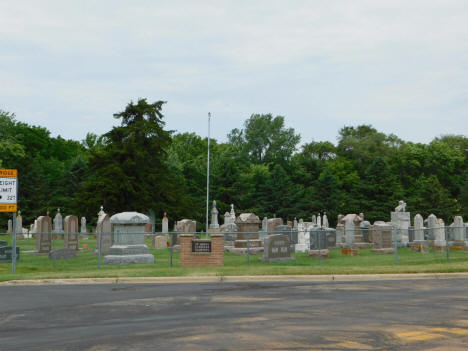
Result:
x=105 y=236
x=71 y=233
x=401 y=221
x=277 y=249
x=43 y=235
x=459 y=240
x=382 y=234
x=247 y=237
x=129 y=239
x=419 y=244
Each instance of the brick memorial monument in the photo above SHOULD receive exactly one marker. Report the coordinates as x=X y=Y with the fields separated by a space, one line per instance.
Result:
x=129 y=239
x=201 y=252
x=277 y=248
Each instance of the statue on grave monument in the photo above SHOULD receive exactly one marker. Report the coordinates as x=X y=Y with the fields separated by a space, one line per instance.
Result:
x=214 y=217
x=401 y=206
x=325 y=223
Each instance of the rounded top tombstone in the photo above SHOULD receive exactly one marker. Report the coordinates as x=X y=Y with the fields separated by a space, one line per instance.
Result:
x=247 y=218
x=129 y=218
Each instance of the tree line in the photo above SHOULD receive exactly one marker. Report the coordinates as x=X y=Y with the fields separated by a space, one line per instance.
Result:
x=261 y=168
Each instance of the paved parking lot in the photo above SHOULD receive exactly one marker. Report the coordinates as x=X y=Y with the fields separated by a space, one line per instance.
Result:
x=378 y=315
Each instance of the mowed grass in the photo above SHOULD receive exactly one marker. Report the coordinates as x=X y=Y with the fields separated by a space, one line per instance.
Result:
x=33 y=266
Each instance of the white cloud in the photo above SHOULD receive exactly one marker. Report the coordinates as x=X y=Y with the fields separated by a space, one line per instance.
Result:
x=322 y=64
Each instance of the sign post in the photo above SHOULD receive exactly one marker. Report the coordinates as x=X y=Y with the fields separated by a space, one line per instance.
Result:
x=9 y=203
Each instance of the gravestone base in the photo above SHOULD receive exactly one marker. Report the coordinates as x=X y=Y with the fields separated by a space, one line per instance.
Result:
x=325 y=253
x=459 y=246
x=419 y=247
x=128 y=259
x=176 y=248
x=140 y=249
x=439 y=247
x=63 y=254
x=243 y=250
x=350 y=251
x=279 y=259
x=252 y=243
x=363 y=245
x=388 y=250
x=228 y=248
x=301 y=247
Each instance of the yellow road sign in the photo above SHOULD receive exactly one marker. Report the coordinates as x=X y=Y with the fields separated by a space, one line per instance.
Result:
x=8 y=190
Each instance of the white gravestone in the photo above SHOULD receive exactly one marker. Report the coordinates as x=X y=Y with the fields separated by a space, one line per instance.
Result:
x=439 y=239
x=459 y=232
x=10 y=226
x=58 y=223
x=401 y=221
x=349 y=232
x=214 y=217
x=325 y=223
x=418 y=229
x=83 y=225
x=165 y=224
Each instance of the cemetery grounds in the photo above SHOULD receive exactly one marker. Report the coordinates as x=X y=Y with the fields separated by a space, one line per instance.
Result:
x=85 y=265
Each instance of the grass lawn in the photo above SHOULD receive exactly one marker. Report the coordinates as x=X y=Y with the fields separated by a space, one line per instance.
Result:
x=32 y=266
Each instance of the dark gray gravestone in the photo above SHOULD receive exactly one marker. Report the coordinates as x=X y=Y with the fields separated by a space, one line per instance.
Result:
x=318 y=239
x=277 y=248
x=287 y=230
x=3 y=243
x=411 y=234
x=63 y=254
x=331 y=238
x=5 y=253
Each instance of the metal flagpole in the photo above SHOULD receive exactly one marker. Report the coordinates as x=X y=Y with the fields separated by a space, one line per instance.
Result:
x=208 y=173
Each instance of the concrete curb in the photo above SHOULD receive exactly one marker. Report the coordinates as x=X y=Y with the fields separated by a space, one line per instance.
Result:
x=235 y=279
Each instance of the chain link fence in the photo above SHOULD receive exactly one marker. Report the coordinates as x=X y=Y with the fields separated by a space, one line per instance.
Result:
x=311 y=246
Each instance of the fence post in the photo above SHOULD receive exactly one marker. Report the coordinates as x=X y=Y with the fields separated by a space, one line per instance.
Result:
x=395 y=245
x=248 y=249
x=13 y=253
x=319 y=237
x=55 y=251
x=447 y=249
x=99 y=249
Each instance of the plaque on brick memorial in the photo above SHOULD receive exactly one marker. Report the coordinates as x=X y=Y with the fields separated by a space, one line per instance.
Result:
x=277 y=248
x=201 y=246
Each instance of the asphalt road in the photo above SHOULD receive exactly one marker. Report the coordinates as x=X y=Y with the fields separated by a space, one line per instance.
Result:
x=378 y=315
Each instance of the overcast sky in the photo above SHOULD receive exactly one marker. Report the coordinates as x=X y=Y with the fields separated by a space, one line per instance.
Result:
x=401 y=66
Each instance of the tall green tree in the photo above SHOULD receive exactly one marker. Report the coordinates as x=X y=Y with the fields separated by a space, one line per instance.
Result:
x=130 y=171
x=265 y=139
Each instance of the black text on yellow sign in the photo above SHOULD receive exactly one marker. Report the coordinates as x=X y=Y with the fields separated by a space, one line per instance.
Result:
x=9 y=208
x=9 y=173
